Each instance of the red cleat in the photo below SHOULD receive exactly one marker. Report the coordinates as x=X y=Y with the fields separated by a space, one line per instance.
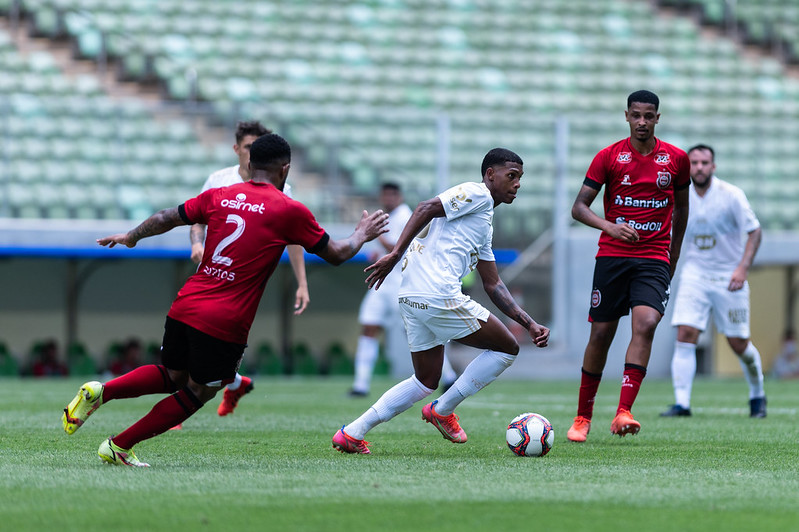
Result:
x=230 y=398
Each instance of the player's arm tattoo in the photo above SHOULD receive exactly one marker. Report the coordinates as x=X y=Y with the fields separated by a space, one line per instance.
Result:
x=158 y=223
x=504 y=301
x=197 y=234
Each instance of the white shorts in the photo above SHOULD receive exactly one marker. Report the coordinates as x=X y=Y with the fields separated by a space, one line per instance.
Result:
x=379 y=307
x=431 y=322
x=697 y=296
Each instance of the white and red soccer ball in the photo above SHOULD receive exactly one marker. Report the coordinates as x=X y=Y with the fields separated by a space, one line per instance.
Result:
x=530 y=434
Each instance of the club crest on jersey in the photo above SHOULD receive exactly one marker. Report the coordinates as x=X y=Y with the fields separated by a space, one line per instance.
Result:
x=662 y=158
x=624 y=157
x=596 y=298
x=664 y=179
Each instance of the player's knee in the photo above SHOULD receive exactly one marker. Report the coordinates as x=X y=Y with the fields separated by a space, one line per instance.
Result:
x=646 y=326
x=513 y=348
x=738 y=345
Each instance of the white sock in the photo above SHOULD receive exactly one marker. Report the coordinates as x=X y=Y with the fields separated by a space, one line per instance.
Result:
x=398 y=399
x=683 y=371
x=753 y=370
x=235 y=384
x=481 y=372
x=365 y=360
x=448 y=374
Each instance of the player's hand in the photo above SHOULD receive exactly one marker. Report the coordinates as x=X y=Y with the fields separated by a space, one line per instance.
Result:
x=737 y=280
x=113 y=240
x=539 y=334
x=380 y=270
x=301 y=300
x=623 y=232
x=373 y=225
x=197 y=250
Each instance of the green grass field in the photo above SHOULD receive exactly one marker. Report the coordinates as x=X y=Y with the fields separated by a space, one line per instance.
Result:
x=270 y=466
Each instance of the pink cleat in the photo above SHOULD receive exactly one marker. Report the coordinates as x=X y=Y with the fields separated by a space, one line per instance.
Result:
x=347 y=444
x=447 y=425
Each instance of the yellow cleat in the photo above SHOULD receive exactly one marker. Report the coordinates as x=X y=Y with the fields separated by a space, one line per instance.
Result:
x=89 y=399
x=113 y=454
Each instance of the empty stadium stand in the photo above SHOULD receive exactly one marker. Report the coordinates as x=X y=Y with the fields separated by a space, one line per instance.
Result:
x=363 y=89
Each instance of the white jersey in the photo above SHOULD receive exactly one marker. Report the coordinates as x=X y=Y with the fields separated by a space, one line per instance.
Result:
x=230 y=176
x=713 y=242
x=447 y=249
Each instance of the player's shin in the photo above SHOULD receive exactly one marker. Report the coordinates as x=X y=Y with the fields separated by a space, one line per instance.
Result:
x=481 y=372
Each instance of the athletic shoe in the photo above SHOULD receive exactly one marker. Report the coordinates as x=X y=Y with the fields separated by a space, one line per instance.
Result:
x=347 y=444
x=676 y=411
x=358 y=393
x=89 y=399
x=757 y=407
x=447 y=425
x=230 y=399
x=579 y=429
x=116 y=455
x=624 y=423
x=179 y=426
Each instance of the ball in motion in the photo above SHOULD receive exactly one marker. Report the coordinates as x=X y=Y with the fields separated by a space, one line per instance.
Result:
x=530 y=434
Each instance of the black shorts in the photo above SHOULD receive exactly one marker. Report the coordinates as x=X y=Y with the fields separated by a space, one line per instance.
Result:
x=621 y=283
x=209 y=360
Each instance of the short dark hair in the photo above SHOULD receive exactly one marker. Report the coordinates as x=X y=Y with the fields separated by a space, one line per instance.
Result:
x=269 y=150
x=251 y=127
x=704 y=147
x=391 y=185
x=499 y=156
x=643 y=96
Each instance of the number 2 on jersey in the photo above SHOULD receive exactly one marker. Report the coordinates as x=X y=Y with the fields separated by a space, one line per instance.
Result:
x=217 y=257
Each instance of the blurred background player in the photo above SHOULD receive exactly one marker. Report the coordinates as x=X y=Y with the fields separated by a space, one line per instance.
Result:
x=713 y=279
x=208 y=324
x=646 y=208
x=246 y=134
x=48 y=361
x=379 y=310
x=448 y=236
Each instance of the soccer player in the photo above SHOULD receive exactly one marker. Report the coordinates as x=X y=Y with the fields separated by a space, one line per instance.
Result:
x=713 y=278
x=206 y=329
x=379 y=310
x=646 y=208
x=246 y=134
x=446 y=237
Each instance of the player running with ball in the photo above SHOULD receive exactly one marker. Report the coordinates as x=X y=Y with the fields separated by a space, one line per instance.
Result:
x=447 y=237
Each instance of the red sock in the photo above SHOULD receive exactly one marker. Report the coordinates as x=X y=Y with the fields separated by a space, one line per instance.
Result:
x=143 y=380
x=167 y=413
x=630 y=384
x=589 y=383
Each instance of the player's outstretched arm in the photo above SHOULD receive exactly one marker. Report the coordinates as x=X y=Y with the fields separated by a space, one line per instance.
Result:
x=369 y=227
x=158 y=223
x=501 y=297
x=422 y=215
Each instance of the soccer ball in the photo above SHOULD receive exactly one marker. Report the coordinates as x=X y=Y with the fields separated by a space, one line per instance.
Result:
x=530 y=434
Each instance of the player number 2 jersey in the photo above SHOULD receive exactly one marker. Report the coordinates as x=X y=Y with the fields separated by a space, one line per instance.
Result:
x=639 y=191
x=249 y=226
x=447 y=249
